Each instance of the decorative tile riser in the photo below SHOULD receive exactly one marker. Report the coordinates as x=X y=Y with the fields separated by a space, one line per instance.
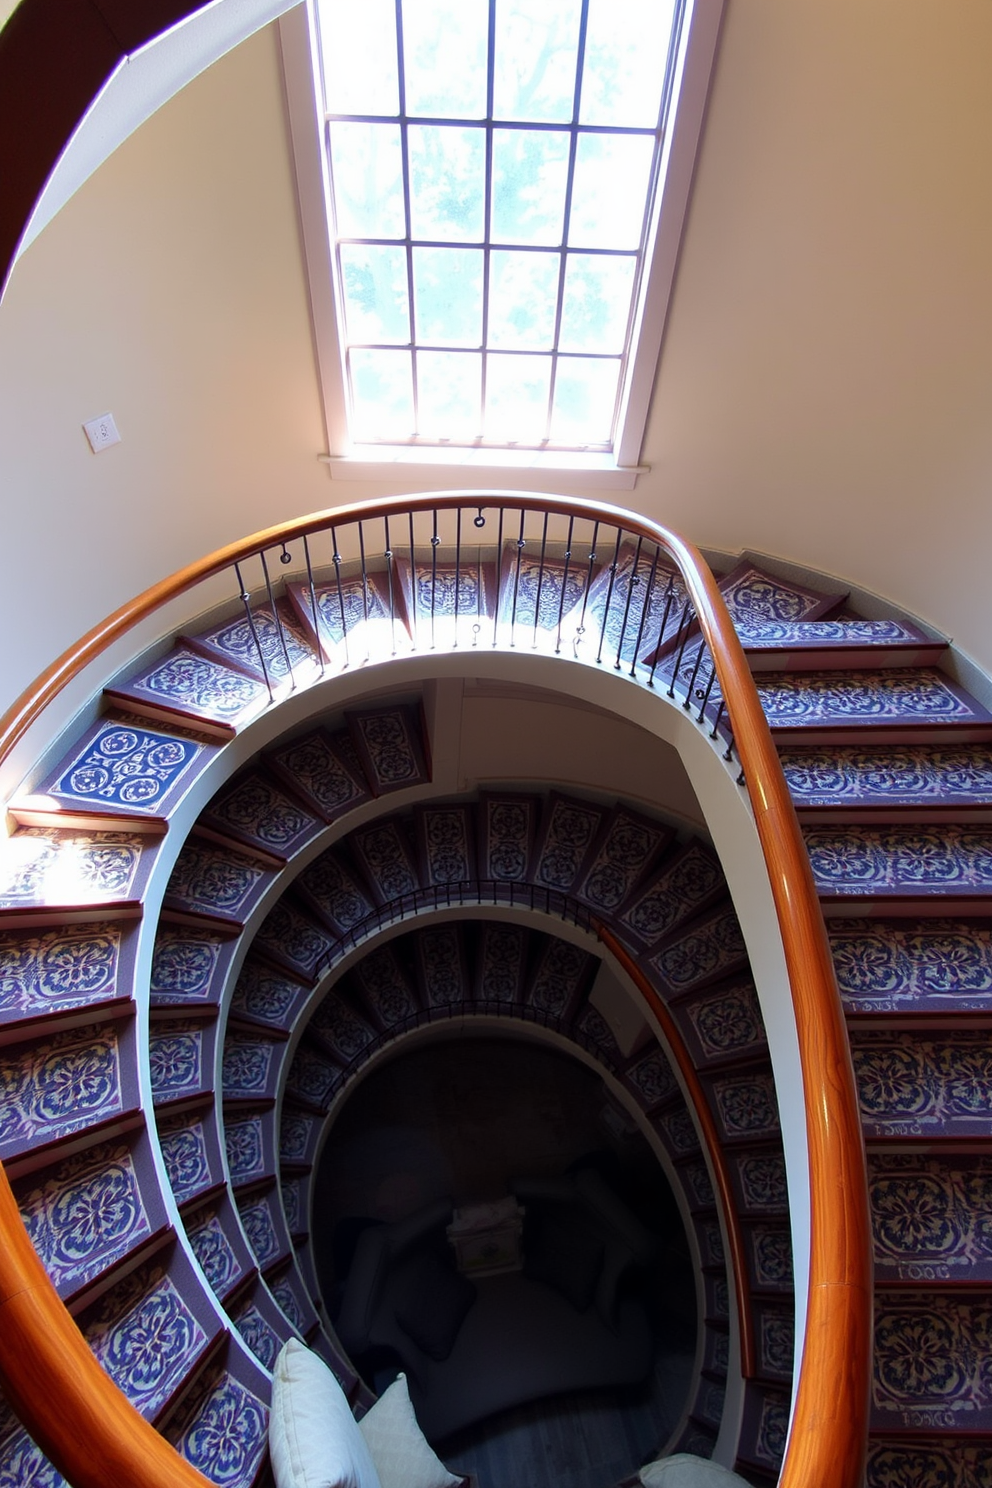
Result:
x=928 y=779
x=924 y=967
x=931 y=1217
x=930 y=870
x=936 y=1087
x=930 y=1367
x=933 y=1462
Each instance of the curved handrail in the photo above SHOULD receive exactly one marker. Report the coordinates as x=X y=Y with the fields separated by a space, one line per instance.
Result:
x=828 y=1439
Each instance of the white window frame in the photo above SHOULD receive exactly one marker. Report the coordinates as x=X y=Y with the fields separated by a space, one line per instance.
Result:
x=428 y=466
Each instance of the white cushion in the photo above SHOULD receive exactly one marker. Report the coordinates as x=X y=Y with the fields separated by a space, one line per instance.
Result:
x=685 y=1471
x=402 y=1455
x=314 y=1440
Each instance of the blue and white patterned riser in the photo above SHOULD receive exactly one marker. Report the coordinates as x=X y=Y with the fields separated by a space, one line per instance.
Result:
x=265 y=1228
x=890 y=782
x=120 y=769
x=249 y=1145
x=385 y=856
x=765 y=1426
x=264 y=996
x=189 y=689
x=293 y=942
x=21 y=1461
x=191 y=1153
x=931 y=1462
x=642 y=582
x=324 y=771
x=535 y=596
x=389 y=743
x=91 y=1212
x=506 y=826
x=313 y=1080
x=945 y=868
x=775 y=1337
x=383 y=989
x=722 y=1025
x=920 y=705
x=299 y=1132
x=931 y=1217
x=222 y=1429
x=250 y=1068
x=936 y=1086
x=53 y=974
x=340 y=1029
x=259 y=814
x=180 y=1060
x=931 y=1362
x=651 y=1080
x=687 y=883
x=215 y=882
x=222 y=1252
x=793 y=645
x=442 y=966
x=261 y=1325
x=760 y=1183
x=188 y=968
x=445 y=844
x=50 y=876
x=267 y=648
x=561 y=975
x=912 y=966
x=569 y=828
x=335 y=894
x=711 y=948
x=628 y=847
x=744 y=1105
x=769 y=1254
x=501 y=963
x=356 y=621
x=449 y=605
x=290 y=1297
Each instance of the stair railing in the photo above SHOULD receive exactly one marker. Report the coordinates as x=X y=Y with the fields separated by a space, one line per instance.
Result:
x=610 y=589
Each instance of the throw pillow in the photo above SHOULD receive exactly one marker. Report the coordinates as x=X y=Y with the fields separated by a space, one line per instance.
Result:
x=402 y=1454
x=435 y=1307
x=685 y=1471
x=564 y=1256
x=314 y=1440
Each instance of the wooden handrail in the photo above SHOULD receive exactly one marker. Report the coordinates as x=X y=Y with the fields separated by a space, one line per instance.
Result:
x=828 y=1439
x=711 y=1140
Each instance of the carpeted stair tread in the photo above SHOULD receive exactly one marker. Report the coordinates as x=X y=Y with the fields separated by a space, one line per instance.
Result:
x=222 y=1427
x=323 y=770
x=192 y=690
x=249 y=1146
x=357 y=620
x=264 y=996
x=930 y=1365
x=916 y=705
x=216 y=882
x=269 y=648
x=905 y=967
x=928 y=1461
x=258 y=813
x=249 y=1067
x=188 y=967
x=931 y=1217
x=191 y=1151
x=220 y=1248
x=62 y=976
x=789 y=645
x=448 y=602
x=932 y=1086
x=180 y=1060
x=53 y=876
x=939 y=864
x=855 y=782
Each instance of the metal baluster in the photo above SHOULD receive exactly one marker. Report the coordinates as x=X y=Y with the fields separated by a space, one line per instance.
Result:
x=634 y=581
x=344 y=619
x=388 y=555
x=687 y=703
x=645 y=609
x=564 y=583
x=706 y=694
x=581 y=627
x=458 y=565
x=540 y=580
x=685 y=625
x=434 y=542
x=499 y=577
x=415 y=638
x=313 y=605
x=365 y=589
x=719 y=715
x=246 y=601
x=669 y=596
x=609 y=596
x=277 y=618
x=521 y=544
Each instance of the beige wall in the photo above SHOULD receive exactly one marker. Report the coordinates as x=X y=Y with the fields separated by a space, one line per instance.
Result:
x=824 y=390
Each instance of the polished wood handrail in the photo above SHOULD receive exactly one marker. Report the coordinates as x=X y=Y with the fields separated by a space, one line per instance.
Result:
x=711 y=1139
x=828 y=1438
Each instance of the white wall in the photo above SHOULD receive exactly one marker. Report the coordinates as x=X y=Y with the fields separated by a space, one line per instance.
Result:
x=824 y=388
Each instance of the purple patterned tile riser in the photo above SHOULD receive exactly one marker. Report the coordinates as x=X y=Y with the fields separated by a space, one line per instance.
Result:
x=176 y=1059
x=436 y=586
x=312 y=1078
x=216 y=880
x=651 y=1079
x=761 y=1181
x=593 y=1027
x=329 y=886
x=54 y=866
x=935 y=1086
x=183 y=1141
x=907 y=966
x=765 y=1426
x=900 y=860
x=297 y=1137
x=746 y=1106
x=292 y=1301
x=267 y=995
x=710 y=948
x=384 y=987
x=904 y=775
x=132 y=768
x=289 y=936
x=726 y=1023
x=197 y=686
x=708 y=1404
x=59 y=1085
x=184 y=966
x=500 y=964
x=248 y=1155
x=214 y=1250
x=388 y=741
x=533 y=593
x=258 y=811
x=236 y=642
x=917 y=698
x=937 y=1462
x=790 y=634
x=293 y=1192
x=682 y=887
x=55 y=970
x=258 y=1333
x=222 y=1429
x=145 y=1336
x=319 y=769
x=260 y=1227
x=561 y=972
x=248 y=1067
x=386 y=859
x=699 y=1188
x=717 y=1297
x=754 y=597
x=342 y=1029
x=447 y=851
x=770 y=1251
x=507 y=825
x=442 y=967
x=568 y=831
x=930 y=1364
x=628 y=848
x=678 y=1132
x=344 y=609
x=711 y=1243
x=776 y=1340
x=716 y=1359
x=21 y=1461
x=86 y=1214
x=931 y=1217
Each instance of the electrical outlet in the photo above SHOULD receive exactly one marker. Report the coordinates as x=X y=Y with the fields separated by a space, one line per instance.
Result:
x=102 y=432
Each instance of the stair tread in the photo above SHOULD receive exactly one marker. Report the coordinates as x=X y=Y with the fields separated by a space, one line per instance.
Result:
x=185 y=685
x=258 y=813
x=63 y=971
x=222 y=1429
x=929 y=1364
x=930 y=1216
x=916 y=699
x=927 y=1085
x=916 y=775
x=909 y=861
x=906 y=966
x=277 y=634
x=49 y=873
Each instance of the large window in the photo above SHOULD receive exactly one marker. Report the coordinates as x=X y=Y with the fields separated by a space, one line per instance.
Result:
x=494 y=180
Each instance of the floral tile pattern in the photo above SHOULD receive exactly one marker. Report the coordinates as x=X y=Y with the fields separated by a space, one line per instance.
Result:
x=931 y=1357
x=567 y=833
x=390 y=748
x=696 y=1177
x=258 y=812
x=900 y=860
x=56 y=1086
x=636 y=601
x=894 y=775
x=342 y=1029
x=146 y=1337
x=771 y=1256
x=776 y=1338
x=312 y=1078
x=85 y=1214
x=266 y=995
x=931 y=1217
x=595 y=1030
x=297 y=1135
x=259 y=1226
x=447 y=852
x=196 y=686
x=501 y=962
x=50 y=865
x=941 y=1462
x=746 y=1105
x=507 y=825
x=294 y=940
x=245 y=1145
x=128 y=768
x=183 y=965
x=923 y=966
x=59 y=969
x=911 y=1085
x=773 y=1429
x=336 y=893
x=386 y=858
x=21 y=1461
x=789 y=634
x=678 y=1131
x=727 y=1022
x=441 y=965
x=184 y=1151
x=265 y=645
x=712 y=947
x=247 y=1066
x=284 y=1292
x=222 y=1430
x=215 y=880
x=258 y=1333
x=652 y=1079
x=558 y=979
x=346 y=608
x=319 y=768
x=175 y=1058
x=384 y=987
x=627 y=849
x=536 y=594
x=213 y=1249
x=835 y=699
x=293 y=1192
x=761 y=1177
x=757 y=598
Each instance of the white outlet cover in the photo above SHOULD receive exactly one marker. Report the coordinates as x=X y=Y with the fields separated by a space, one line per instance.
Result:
x=101 y=432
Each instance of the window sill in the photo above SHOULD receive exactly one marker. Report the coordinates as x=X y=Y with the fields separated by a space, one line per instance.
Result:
x=530 y=470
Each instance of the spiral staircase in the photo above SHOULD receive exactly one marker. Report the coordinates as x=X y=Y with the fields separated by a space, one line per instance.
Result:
x=238 y=886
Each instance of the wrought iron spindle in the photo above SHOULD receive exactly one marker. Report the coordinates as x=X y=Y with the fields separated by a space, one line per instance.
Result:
x=276 y=617
x=365 y=590
x=313 y=604
x=684 y=627
x=634 y=580
x=414 y=622
x=499 y=578
x=246 y=601
x=687 y=701
x=706 y=695
x=645 y=610
x=521 y=543
x=609 y=595
x=564 y=582
x=669 y=596
x=540 y=579
x=581 y=628
x=434 y=545
x=458 y=565
x=344 y=619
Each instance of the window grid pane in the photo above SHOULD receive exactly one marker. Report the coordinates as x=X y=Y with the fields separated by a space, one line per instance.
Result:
x=474 y=242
